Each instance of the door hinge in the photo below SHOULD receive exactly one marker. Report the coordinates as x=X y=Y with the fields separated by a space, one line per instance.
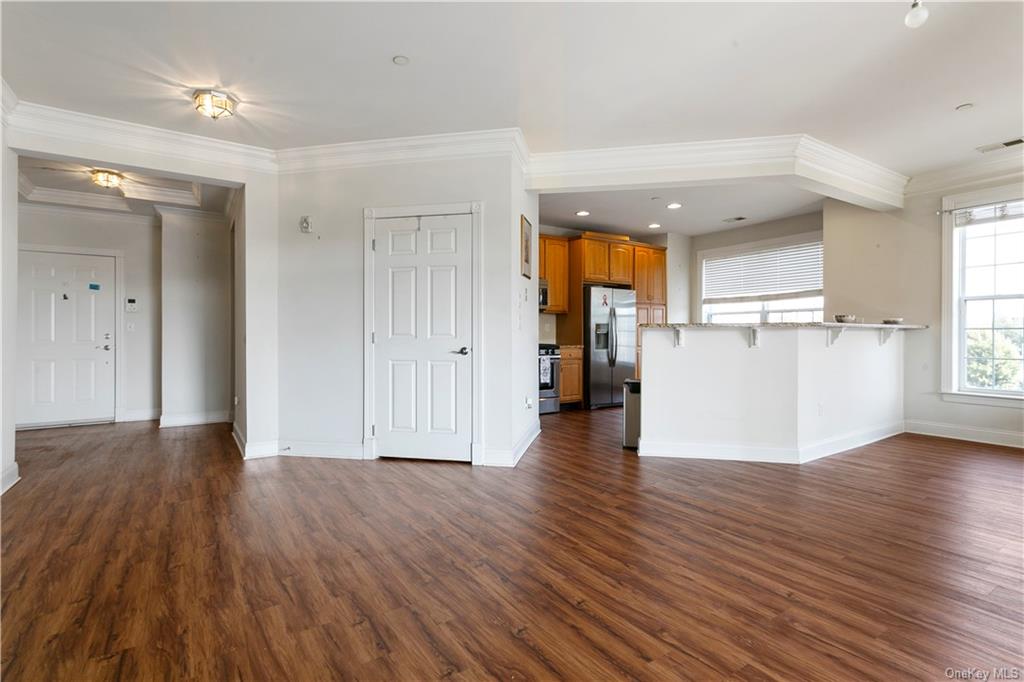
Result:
x=373 y=337
x=373 y=245
x=373 y=430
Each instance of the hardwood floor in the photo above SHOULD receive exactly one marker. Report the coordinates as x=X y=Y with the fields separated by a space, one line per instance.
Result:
x=135 y=553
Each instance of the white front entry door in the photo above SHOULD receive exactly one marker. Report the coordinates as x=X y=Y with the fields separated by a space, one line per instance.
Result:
x=423 y=337
x=65 y=338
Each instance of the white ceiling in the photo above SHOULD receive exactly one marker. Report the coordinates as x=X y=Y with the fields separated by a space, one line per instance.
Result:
x=75 y=178
x=572 y=76
x=703 y=210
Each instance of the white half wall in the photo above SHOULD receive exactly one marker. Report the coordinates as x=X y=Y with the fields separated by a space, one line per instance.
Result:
x=196 y=348
x=138 y=237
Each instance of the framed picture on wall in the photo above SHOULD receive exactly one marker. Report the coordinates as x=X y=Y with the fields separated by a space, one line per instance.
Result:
x=525 y=247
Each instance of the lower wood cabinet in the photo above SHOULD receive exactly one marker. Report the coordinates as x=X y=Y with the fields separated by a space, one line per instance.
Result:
x=571 y=374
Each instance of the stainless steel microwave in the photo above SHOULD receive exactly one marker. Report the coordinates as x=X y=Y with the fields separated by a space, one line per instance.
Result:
x=542 y=293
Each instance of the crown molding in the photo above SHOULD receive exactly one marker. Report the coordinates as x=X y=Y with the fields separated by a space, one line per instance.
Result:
x=167 y=195
x=10 y=100
x=206 y=216
x=72 y=126
x=1002 y=166
x=103 y=202
x=801 y=159
x=119 y=216
x=443 y=147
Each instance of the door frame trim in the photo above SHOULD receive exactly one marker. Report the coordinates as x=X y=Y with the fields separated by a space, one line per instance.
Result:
x=370 y=215
x=120 y=412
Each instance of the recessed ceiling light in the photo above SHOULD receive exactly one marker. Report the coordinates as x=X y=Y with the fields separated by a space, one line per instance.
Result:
x=654 y=226
x=965 y=106
x=917 y=15
x=400 y=60
x=674 y=205
x=583 y=214
x=214 y=103
x=107 y=178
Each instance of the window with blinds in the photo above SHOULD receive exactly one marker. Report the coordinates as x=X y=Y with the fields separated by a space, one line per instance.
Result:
x=989 y=286
x=778 y=284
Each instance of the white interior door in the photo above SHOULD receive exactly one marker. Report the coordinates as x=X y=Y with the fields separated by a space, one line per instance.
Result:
x=423 y=327
x=66 y=338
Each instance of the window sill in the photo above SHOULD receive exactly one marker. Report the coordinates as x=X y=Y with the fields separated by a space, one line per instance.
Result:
x=1011 y=401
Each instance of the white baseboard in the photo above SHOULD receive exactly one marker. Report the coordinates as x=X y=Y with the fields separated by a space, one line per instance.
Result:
x=194 y=419
x=509 y=458
x=736 y=453
x=147 y=415
x=1014 y=439
x=9 y=477
x=832 y=446
x=326 y=449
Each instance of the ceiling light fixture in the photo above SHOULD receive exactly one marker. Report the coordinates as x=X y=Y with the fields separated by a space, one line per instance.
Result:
x=107 y=178
x=400 y=60
x=583 y=214
x=214 y=103
x=654 y=226
x=917 y=15
x=674 y=205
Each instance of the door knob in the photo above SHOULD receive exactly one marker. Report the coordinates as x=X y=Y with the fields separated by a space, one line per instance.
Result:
x=461 y=351
x=106 y=346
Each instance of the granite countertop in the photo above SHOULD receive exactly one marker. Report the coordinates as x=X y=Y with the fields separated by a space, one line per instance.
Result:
x=785 y=325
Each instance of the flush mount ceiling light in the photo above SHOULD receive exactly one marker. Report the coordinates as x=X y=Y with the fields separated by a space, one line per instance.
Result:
x=214 y=103
x=583 y=214
x=654 y=226
x=107 y=178
x=917 y=15
x=400 y=60
x=674 y=205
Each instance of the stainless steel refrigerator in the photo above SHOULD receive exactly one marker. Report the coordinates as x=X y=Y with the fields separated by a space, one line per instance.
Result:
x=609 y=353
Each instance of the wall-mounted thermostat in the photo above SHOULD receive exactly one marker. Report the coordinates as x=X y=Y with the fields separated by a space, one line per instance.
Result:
x=131 y=305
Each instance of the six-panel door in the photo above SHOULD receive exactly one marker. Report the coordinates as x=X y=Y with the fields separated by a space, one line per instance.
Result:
x=423 y=337
x=66 y=339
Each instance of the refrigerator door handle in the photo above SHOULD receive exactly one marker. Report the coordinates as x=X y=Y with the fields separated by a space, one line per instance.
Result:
x=613 y=332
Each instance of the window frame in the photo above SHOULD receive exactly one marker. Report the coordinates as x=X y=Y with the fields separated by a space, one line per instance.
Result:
x=954 y=330
x=815 y=236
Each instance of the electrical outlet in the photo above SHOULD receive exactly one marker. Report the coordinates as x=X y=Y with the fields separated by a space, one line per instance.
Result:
x=529 y=403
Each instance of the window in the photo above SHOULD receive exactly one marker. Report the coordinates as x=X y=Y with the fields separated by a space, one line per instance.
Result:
x=777 y=283
x=988 y=292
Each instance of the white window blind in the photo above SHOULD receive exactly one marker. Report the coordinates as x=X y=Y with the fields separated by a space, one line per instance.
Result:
x=990 y=213
x=782 y=272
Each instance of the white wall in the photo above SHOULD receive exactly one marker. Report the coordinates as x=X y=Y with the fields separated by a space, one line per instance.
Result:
x=9 y=296
x=889 y=264
x=774 y=229
x=321 y=295
x=138 y=237
x=235 y=220
x=677 y=270
x=196 y=321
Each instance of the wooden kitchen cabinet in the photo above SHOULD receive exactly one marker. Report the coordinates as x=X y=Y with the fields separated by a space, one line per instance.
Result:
x=571 y=374
x=657 y=280
x=620 y=263
x=554 y=267
x=649 y=276
x=595 y=260
x=641 y=273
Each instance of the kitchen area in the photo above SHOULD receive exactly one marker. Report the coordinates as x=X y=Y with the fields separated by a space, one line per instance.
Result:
x=596 y=289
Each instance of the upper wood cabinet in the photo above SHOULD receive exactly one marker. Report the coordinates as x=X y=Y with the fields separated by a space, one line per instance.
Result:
x=657 y=282
x=649 y=277
x=642 y=275
x=554 y=267
x=620 y=263
x=595 y=260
